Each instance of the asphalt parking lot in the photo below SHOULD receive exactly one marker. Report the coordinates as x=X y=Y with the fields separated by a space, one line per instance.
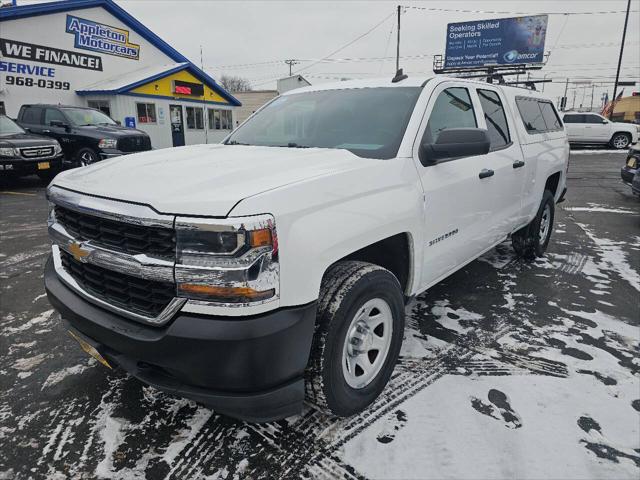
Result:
x=508 y=370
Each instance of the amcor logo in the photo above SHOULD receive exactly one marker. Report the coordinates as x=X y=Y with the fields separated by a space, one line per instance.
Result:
x=510 y=56
x=513 y=55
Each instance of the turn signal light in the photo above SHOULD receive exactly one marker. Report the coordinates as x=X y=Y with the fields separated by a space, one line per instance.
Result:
x=223 y=294
x=260 y=238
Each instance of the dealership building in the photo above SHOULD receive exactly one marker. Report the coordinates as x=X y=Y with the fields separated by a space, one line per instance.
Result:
x=93 y=53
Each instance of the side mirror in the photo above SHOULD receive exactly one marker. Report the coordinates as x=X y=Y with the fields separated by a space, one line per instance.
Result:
x=59 y=124
x=455 y=143
x=119 y=123
x=604 y=120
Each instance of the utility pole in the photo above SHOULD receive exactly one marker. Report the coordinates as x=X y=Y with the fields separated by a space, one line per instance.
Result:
x=291 y=63
x=398 y=43
x=593 y=87
x=563 y=103
x=624 y=34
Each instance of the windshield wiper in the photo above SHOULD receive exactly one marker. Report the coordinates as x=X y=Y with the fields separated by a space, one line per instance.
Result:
x=235 y=142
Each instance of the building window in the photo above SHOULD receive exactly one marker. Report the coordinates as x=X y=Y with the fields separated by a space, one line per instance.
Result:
x=195 y=118
x=102 y=105
x=146 y=112
x=220 y=119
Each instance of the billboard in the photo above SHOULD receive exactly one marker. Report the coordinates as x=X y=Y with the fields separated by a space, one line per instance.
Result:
x=503 y=41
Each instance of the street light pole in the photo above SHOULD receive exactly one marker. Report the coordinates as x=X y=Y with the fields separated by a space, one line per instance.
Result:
x=624 y=34
x=398 y=43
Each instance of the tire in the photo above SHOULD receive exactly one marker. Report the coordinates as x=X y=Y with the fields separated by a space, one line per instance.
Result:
x=86 y=156
x=350 y=294
x=531 y=241
x=620 y=141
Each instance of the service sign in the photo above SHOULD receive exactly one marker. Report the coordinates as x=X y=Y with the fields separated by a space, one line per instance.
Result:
x=503 y=41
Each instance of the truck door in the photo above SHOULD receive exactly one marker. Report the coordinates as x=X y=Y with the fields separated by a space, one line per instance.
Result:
x=459 y=204
x=507 y=162
x=57 y=126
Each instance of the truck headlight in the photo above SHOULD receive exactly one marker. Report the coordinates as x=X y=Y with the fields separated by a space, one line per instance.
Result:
x=9 y=152
x=108 y=143
x=227 y=261
x=57 y=149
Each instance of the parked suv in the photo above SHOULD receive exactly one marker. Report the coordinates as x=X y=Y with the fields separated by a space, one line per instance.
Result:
x=86 y=135
x=22 y=153
x=275 y=267
x=591 y=128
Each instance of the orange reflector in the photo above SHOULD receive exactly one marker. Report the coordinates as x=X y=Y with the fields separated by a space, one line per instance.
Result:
x=228 y=294
x=260 y=238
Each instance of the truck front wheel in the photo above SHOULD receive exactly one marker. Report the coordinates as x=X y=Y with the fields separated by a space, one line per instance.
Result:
x=531 y=241
x=359 y=331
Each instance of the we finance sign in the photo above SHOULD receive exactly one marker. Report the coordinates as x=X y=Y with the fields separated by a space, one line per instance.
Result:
x=98 y=37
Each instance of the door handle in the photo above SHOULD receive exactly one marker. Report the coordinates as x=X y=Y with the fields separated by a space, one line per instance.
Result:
x=518 y=164
x=46 y=131
x=485 y=172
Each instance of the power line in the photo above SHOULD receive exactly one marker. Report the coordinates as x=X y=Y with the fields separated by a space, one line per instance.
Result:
x=350 y=43
x=493 y=12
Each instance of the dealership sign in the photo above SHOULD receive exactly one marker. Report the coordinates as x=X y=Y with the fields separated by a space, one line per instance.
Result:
x=44 y=54
x=503 y=41
x=98 y=37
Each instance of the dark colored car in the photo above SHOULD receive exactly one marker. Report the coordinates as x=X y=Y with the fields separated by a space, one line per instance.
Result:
x=86 y=135
x=22 y=153
x=631 y=164
x=635 y=185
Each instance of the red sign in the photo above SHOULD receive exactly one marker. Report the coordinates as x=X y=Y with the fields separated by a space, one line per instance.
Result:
x=183 y=90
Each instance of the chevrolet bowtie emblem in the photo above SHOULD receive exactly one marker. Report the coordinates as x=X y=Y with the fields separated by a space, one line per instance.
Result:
x=77 y=251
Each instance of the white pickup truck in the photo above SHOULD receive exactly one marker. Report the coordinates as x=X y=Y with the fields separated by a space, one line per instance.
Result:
x=276 y=267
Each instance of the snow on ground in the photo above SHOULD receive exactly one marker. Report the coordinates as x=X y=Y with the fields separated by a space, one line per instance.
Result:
x=508 y=370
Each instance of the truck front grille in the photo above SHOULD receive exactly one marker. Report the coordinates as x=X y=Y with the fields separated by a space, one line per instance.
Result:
x=37 y=152
x=119 y=236
x=134 y=294
x=137 y=143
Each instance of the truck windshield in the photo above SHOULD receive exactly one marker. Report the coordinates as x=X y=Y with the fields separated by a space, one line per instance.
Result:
x=369 y=122
x=8 y=126
x=86 y=116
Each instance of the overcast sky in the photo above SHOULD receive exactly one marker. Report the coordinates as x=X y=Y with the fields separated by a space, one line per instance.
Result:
x=264 y=34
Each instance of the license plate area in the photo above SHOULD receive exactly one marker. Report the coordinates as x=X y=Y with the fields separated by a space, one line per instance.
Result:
x=632 y=162
x=90 y=349
x=43 y=165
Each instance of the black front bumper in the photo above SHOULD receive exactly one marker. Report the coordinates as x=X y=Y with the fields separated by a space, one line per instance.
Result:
x=245 y=367
x=20 y=166
x=627 y=173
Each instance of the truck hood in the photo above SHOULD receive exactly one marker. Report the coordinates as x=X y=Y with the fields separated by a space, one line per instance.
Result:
x=205 y=179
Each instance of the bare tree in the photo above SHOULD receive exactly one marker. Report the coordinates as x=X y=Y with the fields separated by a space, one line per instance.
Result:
x=234 y=83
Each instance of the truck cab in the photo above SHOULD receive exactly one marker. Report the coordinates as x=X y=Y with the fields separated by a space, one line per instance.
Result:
x=275 y=267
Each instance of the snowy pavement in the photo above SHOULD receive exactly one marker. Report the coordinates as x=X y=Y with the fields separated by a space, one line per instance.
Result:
x=508 y=370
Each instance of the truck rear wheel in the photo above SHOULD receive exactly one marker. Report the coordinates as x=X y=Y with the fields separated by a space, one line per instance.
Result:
x=359 y=331
x=531 y=241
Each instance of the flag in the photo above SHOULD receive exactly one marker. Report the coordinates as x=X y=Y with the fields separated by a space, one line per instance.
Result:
x=609 y=106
